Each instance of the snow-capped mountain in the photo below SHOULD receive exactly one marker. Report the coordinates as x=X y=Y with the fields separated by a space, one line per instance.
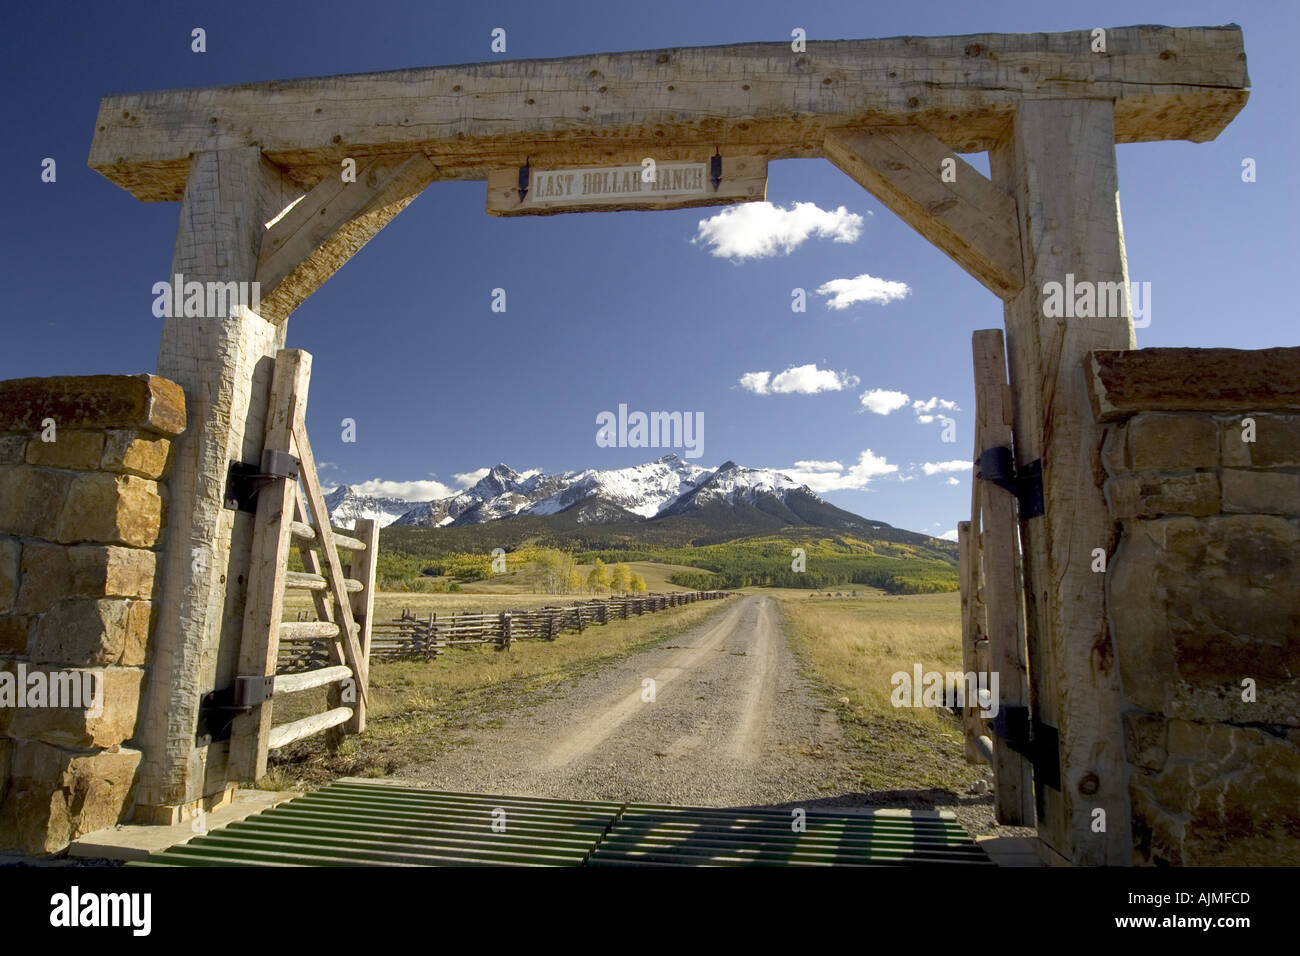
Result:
x=346 y=505
x=665 y=487
x=616 y=494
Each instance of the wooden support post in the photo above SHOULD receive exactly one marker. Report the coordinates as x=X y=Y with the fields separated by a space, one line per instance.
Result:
x=971 y=725
x=362 y=568
x=223 y=362
x=1014 y=796
x=1058 y=163
x=271 y=542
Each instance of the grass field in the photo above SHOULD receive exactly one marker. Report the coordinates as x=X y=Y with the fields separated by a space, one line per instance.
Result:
x=853 y=646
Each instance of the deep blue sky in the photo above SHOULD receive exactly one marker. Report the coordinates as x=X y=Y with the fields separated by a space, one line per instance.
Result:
x=619 y=307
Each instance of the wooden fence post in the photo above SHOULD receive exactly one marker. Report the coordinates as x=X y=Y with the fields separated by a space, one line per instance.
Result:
x=1001 y=578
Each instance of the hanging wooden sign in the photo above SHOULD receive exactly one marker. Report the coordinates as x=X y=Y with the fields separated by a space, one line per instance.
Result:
x=715 y=181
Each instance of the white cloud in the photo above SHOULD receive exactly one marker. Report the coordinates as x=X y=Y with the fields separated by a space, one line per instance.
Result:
x=757 y=230
x=953 y=481
x=949 y=535
x=800 y=380
x=864 y=288
x=467 y=478
x=882 y=401
x=934 y=402
x=938 y=467
x=408 y=490
x=832 y=476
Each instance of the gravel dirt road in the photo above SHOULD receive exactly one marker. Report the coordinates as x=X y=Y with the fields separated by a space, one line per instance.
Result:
x=733 y=722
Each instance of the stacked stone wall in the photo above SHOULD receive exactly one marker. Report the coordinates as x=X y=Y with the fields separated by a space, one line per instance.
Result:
x=82 y=510
x=1202 y=462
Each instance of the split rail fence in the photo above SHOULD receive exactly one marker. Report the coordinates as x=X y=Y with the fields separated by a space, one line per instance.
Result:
x=411 y=637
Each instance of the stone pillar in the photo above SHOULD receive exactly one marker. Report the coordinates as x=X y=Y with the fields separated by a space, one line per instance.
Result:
x=1202 y=458
x=81 y=512
x=223 y=362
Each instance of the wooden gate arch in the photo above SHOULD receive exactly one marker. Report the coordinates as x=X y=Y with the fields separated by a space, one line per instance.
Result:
x=256 y=169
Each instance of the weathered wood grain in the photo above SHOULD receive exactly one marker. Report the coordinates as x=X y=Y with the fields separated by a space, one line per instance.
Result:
x=1058 y=163
x=969 y=219
x=759 y=99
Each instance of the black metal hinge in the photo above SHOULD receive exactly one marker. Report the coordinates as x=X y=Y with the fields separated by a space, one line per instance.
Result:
x=997 y=465
x=244 y=481
x=1032 y=739
x=219 y=708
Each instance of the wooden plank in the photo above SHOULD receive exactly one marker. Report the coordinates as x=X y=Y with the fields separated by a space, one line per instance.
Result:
x=676 y=185
x=362 y=568
x=968 y=218
x=755 y=99
x=330 y=224
x=306 y=680
x=971 y=725
x=333 y=567
x=286 y=734
x=1014 y=795
x=1058 y=163
x=258 y=648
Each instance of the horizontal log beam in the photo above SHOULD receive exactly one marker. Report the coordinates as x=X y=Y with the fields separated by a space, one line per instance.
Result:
x=306 y=680
x=759 y=99
x=956 y=207
x=286 y=734
x=305 y=532
x=306 y=581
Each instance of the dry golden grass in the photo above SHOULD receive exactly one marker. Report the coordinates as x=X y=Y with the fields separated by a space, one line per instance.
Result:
x=854 y=646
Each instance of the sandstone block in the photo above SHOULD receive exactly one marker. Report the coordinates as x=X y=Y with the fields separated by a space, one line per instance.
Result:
x=114 y=509
x=1198 y=605
x=1229 y=796
x=81 y=450
x=93 y=401
x=14 y=630
x=1160 y=441
x=105 y=720
x=1261 y=492
x=81 y=632
x=1145 y=739
x=1128 y=381
x=13 y=449
x=32 y=500
x=55 y=796
x=1276 y=444
x=1149 y=496
x=52 y=572
x=125 y=450
x=139 y=625
x=10 y=561
x=1114 y=449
